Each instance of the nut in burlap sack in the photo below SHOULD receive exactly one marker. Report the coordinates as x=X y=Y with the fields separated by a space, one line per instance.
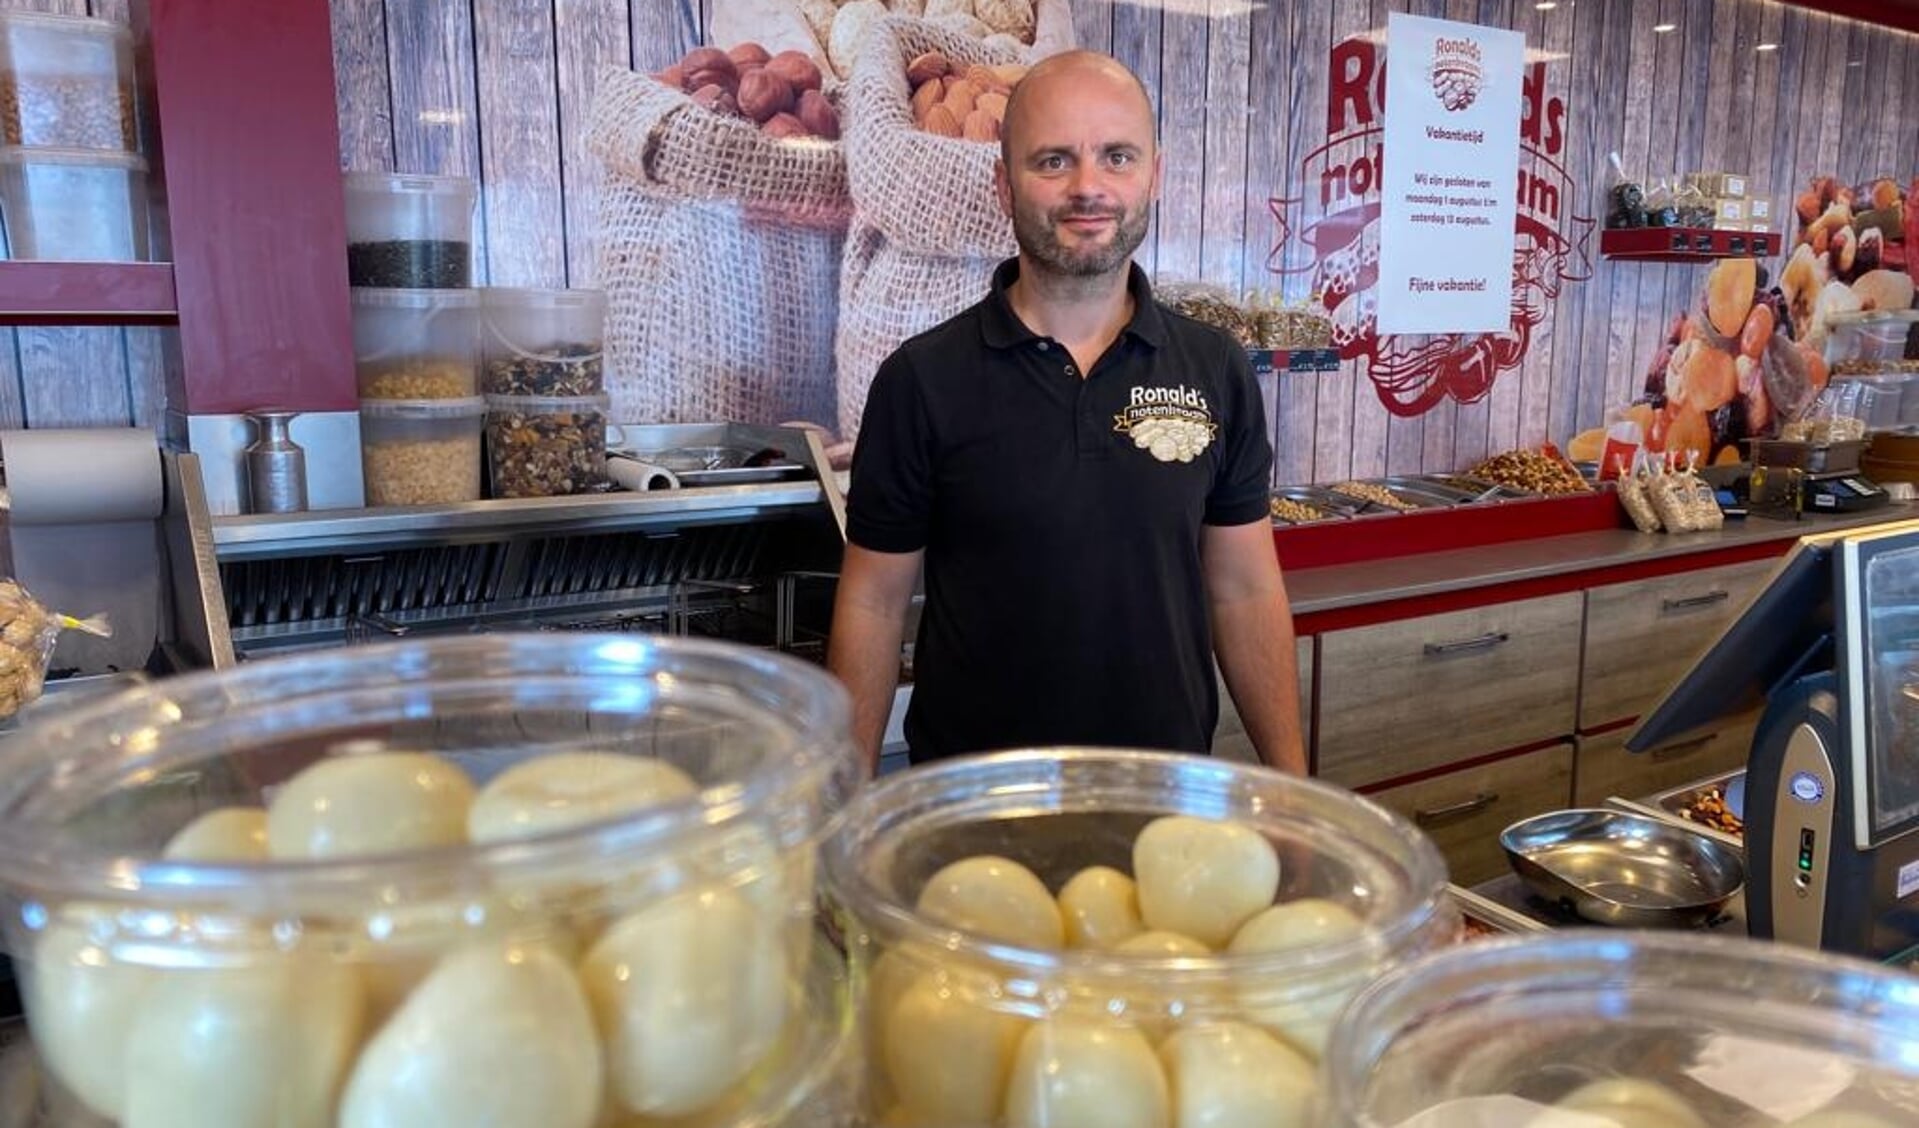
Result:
x=927 y=227
x=835 y=33
x=719 y=252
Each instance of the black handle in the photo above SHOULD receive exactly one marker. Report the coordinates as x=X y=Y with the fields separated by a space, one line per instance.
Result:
x=1706 y=600
x=1483 y=642
x=1477 y=803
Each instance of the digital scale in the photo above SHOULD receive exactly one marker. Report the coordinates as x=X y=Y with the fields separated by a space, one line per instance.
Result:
x=1831 y=647
x=1842 y=492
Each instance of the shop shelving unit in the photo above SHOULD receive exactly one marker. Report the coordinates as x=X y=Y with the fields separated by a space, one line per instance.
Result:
x=1686 y=244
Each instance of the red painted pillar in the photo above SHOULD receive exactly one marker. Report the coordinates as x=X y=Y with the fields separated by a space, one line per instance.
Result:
x=242 y=91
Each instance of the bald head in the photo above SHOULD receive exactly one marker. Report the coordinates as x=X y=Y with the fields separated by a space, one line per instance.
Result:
x=1083 y=73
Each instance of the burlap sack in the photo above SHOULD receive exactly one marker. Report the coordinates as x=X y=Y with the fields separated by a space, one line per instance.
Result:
x=719 y=251
x=833 y=33
x=927 y=227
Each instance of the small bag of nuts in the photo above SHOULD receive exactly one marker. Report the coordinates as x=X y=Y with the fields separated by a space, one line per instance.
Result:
x=28 y=633
x=1634 y=499
x=546 y=446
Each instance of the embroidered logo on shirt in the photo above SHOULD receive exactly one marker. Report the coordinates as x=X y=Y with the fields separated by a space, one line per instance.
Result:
x=1171 y=424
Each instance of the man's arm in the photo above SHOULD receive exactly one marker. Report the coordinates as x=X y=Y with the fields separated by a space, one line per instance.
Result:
x=1253 y=637
x=863 y=650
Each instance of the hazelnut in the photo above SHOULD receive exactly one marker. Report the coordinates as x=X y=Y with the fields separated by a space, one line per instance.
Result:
x=926 y=68
x=925 y=98
x=748 y=55
x=818 y=115
x=784 y=126
x=940 y=121
x=674 y=76
x=800 y=72
x=708 y=97
x=727 y=80
x=980 y=126
x=764 y=94
x=708 y=58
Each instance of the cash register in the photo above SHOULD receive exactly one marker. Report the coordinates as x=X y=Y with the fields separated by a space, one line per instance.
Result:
x=1830 y=646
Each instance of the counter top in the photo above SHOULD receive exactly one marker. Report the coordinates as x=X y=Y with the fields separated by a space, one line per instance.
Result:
x=1438 y=573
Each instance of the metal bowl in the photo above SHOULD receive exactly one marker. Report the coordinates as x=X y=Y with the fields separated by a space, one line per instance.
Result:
x=1624 y=869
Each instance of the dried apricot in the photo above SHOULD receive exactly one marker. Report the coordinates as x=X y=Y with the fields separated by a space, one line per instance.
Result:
x=1729 y=293
x=1758 y=330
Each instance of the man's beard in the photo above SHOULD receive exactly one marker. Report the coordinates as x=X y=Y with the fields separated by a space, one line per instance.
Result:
x=1039 y=242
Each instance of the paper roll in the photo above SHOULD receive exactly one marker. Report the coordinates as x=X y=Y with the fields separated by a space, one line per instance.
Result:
x=84 y=539
x=639 y=477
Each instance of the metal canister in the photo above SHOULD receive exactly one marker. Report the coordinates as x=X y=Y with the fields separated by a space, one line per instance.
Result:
x=276 y=465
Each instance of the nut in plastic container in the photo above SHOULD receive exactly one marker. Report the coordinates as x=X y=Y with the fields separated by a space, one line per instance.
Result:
x=28 y=633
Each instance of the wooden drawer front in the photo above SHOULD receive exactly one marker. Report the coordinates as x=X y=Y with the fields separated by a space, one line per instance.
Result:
x=1605 y=769
x=1464 y=811
x=1230 y=739
x=1642 y=637
x=1405 y=697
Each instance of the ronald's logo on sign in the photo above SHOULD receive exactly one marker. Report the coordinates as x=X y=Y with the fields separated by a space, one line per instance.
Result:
x=1457 y=79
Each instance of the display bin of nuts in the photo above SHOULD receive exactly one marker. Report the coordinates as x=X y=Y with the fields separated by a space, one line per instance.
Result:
x=1102 y=937
x=542 y=342
x=545 y=446
x=529 y=881
x=416 y=344
x=421 y=452
x=74 y=205
x=409 y=232
x=66 y=82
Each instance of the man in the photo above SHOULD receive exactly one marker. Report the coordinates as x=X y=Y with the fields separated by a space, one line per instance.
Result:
x=1082 y=472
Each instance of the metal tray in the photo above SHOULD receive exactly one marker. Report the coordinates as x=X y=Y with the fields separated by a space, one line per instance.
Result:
x=1335 y=507
x=1478 y=489
x=1490 y=913
x=1414 y=497
x=1674 y=801
x=1613 y=867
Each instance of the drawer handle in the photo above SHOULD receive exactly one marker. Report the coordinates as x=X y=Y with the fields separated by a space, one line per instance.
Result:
x=1483 y=642
x=1478 y=802
x=1691 y=601
x=1683 y=748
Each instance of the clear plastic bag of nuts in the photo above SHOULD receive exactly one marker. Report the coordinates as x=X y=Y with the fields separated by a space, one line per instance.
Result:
x=1636 y=500
x=28 y=632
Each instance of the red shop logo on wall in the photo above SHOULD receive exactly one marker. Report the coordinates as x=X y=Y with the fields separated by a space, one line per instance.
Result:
x=1338 y=220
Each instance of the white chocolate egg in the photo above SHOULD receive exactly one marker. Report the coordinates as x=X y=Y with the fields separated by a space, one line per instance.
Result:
x=1101 y=908
x=1632 y=1103
x=948 y=1056
x=1201 y=877
x=363 y=804
x=1161 y=943
x=1297 y=924
x=500 y=1036
x=570 y=789
x=689 y=995
x=80 y=1005
x=243 y=1047
x=994 y=897
x=229 y=834
x=1230 y=1075
x=1085 y=1073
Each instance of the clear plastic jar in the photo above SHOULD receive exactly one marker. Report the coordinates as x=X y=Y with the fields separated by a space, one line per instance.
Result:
x=1651 y=1028
x=74 y=205
x=416 y=344
x=421 y=452
x=968 y=1029
x=66 y=82
x=542 y=342
x=517 y=880
x=409 y=232
x=545 y=446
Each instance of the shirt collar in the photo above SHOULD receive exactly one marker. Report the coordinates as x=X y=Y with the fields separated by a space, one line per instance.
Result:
x=1002 y=328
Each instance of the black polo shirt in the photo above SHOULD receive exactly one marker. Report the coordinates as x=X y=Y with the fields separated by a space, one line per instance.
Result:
x=1061 y=521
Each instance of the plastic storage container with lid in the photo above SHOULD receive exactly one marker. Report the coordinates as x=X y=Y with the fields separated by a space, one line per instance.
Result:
x=74 y=205
x=1864 y=342
x=1591 y=1029
x=409 y=232
x=416 y=344
x=1291 y=895
x=66 y=82
x=421 y=452
x=542 y=342
x=550 y=881
x=545 y=446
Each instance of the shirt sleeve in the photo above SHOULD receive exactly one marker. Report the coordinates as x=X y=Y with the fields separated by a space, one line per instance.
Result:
x=1242 y=488
x=890 y=501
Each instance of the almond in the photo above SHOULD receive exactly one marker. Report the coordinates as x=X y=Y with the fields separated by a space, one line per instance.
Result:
x=926 y=68
x=940 y=120
x=925 y=98
x=1009 y=74
x=993 y=103
x=980 y=126
x=960 y=98
x=986 y=78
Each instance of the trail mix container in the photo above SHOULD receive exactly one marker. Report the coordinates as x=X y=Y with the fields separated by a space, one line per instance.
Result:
x=545 y=446
x=1593 y=1028
x=66 y=82
x=542 y=342
x=416 y=344
x=551 y=881
x=409 y=232
x=421 y=452
x=1209 y=951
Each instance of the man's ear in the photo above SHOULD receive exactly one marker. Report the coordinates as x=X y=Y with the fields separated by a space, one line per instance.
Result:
x=1003 y=187
x=1159 y=168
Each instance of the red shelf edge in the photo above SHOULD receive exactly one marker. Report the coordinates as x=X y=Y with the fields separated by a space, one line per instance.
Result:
x=1654 y=244
x=1323 y=544
x=88 y=293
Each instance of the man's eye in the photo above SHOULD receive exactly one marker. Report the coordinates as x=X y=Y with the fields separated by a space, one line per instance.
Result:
x=1051 y=164
x=1119 y=160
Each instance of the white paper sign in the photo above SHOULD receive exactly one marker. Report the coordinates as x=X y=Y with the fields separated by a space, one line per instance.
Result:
x=1447 y=205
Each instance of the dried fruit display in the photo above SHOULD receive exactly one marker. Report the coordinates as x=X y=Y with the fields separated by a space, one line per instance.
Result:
x=779 y=93
x=1531 y=470
x=1710 y=810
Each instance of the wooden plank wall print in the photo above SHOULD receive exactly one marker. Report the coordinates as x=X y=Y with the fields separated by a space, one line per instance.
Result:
x=499 y=90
